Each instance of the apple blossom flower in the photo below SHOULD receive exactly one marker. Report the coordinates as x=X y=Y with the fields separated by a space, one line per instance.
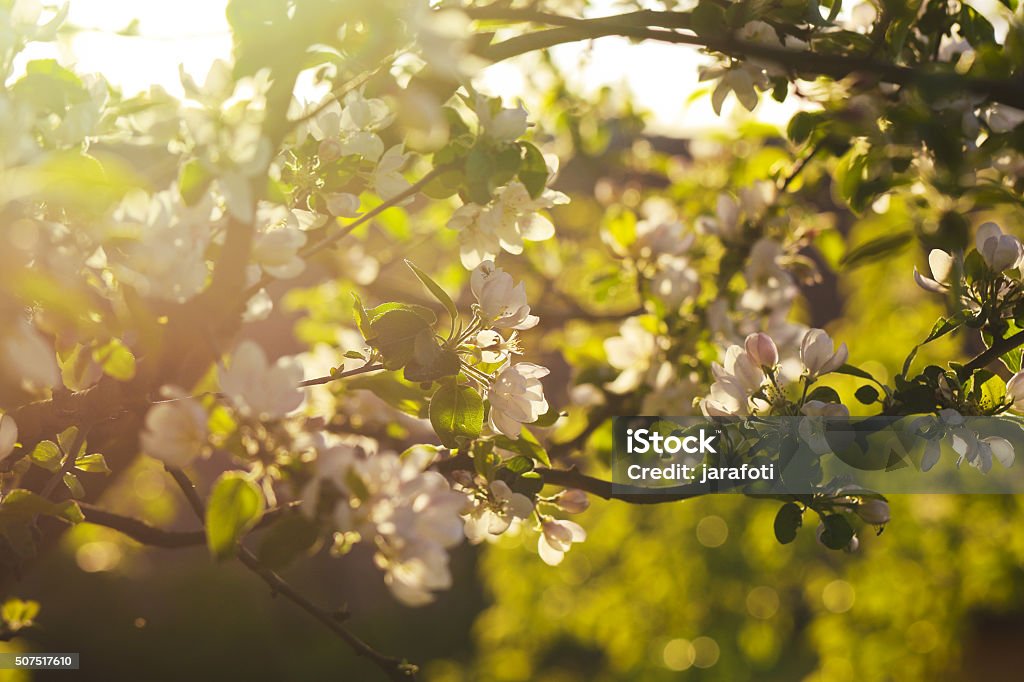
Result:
x=516 y=397
x=343 y=204
x=674 y=281
x=632 y=352
x=259 y=389
x=1015 y=392
x=387 y=178
x=510 y=217
x=737 y=379
x=351 y=130
x=493 y=516
x=175 y=431
x=818 y=354
x=8 y=435
x=812 y=426
x=502 y=303
x=494 y=347
x=980 y=451
x=941 y=265
x=498 y=123
x=276 y=252
x=28 y=355
x=413 y=516
x=1000 y=251
x=556 y=538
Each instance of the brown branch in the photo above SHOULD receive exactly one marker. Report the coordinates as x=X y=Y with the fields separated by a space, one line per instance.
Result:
x=319 y=381
x=571 y=29
x=394 y=668
x=998 y=349
x=142 y=532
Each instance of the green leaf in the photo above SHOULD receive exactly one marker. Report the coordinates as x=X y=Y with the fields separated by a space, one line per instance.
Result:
x=47 y=455
x=825 y=394
x=526 y=445
x=393 y=333
x=74 y=486
x=435 y=289
x=876 y=249
x=456 y=413
x=193 y=181
x=533 y=172
x=395 y=391
x=838 y=531
x=116 y=360
x=852 y=371
x=430 y=361
x=287 y=540
x=866 y=394
x=27 y=503
x=235 y=506
x=788 y=520
x=93 y=464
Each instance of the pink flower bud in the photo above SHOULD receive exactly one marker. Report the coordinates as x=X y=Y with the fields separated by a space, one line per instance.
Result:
x=762 y=350
x=573 y=501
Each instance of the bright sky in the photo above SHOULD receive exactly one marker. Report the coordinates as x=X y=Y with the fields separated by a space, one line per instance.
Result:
x=195 y=32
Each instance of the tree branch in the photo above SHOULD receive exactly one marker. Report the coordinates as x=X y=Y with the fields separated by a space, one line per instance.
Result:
x=639 y=25
x=998 y=349
x=143 y=533
x=394 y=668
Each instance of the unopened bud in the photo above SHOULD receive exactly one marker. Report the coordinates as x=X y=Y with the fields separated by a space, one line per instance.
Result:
x=573 y=501
x=875 y=512
x=329 y=150
x=762 y=350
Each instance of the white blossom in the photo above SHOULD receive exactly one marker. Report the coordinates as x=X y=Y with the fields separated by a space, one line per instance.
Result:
x=818 y=354
x=28 y=355
x=502 y=303
x=498 y=123
x=8 y=435
x=511 y=217
x=941 y=265
x=259 y=389
x=556 y=538
x=1000 y=251
x=493 y=516
x=812 y=426
x=1015 y=392
x=516 y=397
x=175 y=431
x=632 y=352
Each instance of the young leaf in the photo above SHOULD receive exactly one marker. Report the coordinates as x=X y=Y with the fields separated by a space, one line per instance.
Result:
x=236 y=505
x=787 y=522
x=46 y=455
x=435 y=289
x=456 y=413
x=93 y=464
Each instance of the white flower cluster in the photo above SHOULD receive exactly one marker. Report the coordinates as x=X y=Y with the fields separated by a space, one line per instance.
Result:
x=408 y=513
x=976 y=450
x=515 y=392
x=746 y=382
x=512 y=215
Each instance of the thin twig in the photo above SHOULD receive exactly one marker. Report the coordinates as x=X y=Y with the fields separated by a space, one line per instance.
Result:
x=394 y=668
x=330 y=239
x=142 y=532
x=341 y=375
